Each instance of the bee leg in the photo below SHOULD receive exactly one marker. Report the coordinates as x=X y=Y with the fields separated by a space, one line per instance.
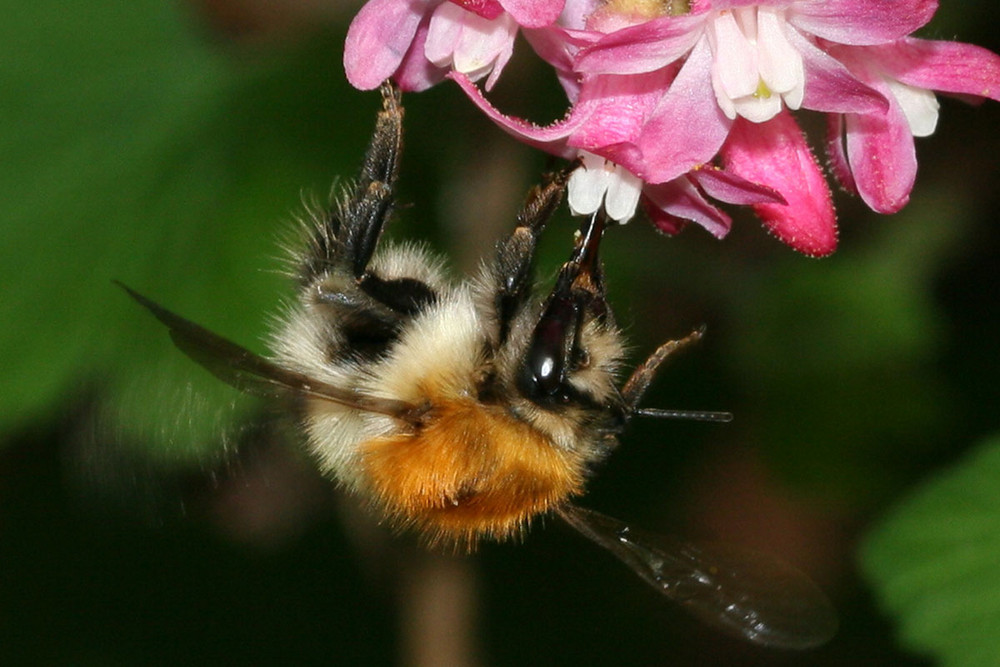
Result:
x=513 y=264
x=344 y=240
x=371 y=202
x=644 y=373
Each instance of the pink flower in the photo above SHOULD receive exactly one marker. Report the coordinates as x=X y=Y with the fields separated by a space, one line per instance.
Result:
x=661 y=93
x=743 y=62
x=616 y=183
x=663 y=121
x=416 y=42
x=672 y=205
x=873 y=154
x=776 y=153
x=665 y=92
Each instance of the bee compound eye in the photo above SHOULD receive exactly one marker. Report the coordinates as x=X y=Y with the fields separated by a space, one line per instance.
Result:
x=546 y=362
x=541 y=371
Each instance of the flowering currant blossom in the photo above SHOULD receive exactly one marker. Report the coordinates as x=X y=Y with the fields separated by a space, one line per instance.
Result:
x=730 y=71
x=416 y=42
x=873 y=154
x=671 y=99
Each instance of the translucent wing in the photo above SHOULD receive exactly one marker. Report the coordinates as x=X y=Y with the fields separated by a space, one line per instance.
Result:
x=744 y=593
x=254 y=374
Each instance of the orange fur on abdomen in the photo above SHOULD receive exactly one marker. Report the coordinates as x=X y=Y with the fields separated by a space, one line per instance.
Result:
x=471 y=470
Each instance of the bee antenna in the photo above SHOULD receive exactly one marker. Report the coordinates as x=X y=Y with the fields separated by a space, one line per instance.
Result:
x=694 y=415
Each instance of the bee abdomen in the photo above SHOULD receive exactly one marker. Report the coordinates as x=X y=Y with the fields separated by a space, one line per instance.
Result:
x=470 y=472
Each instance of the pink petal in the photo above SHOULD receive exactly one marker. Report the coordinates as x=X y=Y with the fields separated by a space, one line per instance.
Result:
x=732 y=189
x=861 y=21
x=379 y=38
x=670 y=205
x=687 y=127
x=533 y=13
x=559 y=46
x=830 y=86
x=882 y=158
x=775 y=154
x=416 y=73
x=950 y=67
x=551 y=139
x=617 y=107
x=879 y=147
x=642 y=48
x=837 y=153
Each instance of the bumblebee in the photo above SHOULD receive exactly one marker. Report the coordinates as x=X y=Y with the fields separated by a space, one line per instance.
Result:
x=464 y=410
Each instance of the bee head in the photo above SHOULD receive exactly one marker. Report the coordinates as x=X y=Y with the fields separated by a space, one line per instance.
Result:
x=574 y=346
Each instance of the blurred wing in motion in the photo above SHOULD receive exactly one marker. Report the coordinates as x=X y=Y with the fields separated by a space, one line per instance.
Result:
x=744 y=593
x=252 y=373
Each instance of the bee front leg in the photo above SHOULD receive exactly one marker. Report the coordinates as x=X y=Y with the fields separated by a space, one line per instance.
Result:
x=513 y=265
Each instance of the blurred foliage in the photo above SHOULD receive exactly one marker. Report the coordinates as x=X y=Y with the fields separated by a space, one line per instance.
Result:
x=135 y=149
x=934 y=562
x=848 y=345
x=141 y=144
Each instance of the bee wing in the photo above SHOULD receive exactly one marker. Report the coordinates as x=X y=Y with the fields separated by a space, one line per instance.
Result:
x=744 y=593
x=252 y=373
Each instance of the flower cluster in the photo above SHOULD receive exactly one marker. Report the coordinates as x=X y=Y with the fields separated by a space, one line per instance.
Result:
x=675 y=103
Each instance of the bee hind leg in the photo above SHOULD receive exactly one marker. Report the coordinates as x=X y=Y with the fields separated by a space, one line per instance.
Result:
x=371 y=202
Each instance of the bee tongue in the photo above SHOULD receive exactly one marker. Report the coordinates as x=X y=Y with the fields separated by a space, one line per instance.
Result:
x=584 y=266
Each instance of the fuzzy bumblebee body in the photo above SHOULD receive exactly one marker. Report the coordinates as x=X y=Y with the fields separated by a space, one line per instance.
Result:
x=465 y=410
x=483 y=444
x=461 y=410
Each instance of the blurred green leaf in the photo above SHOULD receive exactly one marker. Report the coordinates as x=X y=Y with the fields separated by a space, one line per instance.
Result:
x=838 y=357
x=934 y=563
x=135 y=149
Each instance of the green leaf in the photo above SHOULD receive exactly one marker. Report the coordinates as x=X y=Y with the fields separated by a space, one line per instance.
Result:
x=135 y=149
x=934 y=563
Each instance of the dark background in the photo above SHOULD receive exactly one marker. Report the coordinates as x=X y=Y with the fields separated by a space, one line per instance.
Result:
x=169 y=146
